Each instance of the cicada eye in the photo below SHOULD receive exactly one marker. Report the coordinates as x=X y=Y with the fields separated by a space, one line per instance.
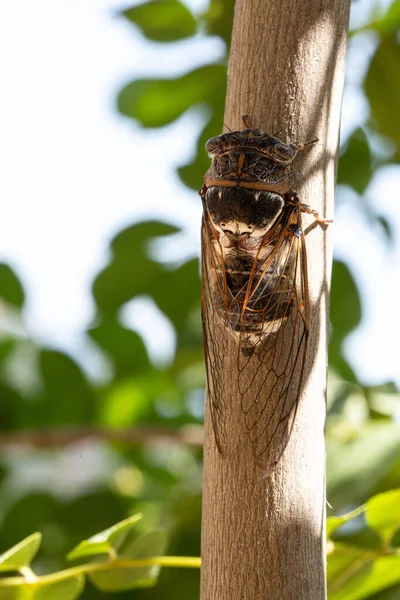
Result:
x=212 y=144
x=283 y=151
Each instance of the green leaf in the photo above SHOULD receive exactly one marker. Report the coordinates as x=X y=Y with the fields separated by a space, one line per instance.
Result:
x=131 y=270
x=383 y=514
x=67 y=589
x=22 y=554
x=358 y=465
x=12 y=407
x=11 y=290
x=391 y=593
x=137 y=236
x=12 y=593
x=142 y=547
x=67 y=398
x=338 y=362
x=389 y=21
x=218 y=19
x=162 y=20
x=121 y=281
x=30 y=511
x=177 y=292
x=131 y=400
x=384 y=399
x=125 y=347
x=345 y=301
x=6 y=346
x=343 y=563
x=105 y=542
x=345 y=315
x=355 y=166
x=382 y=86
x=153 y=543
x=158 y=102
x=193 y=172
x=15 y=592
x=366 y=577
x=333 y=523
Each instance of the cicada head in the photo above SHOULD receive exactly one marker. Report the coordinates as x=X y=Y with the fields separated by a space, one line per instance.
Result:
x=252 y=140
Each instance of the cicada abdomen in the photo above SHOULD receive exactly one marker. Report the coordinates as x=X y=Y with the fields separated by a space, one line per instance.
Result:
x=254 y=270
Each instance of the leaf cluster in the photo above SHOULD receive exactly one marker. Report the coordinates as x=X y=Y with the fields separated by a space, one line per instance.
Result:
x=119 y=561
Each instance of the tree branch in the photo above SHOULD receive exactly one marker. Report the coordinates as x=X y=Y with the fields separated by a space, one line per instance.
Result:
x=191 y=435
x=264 y=539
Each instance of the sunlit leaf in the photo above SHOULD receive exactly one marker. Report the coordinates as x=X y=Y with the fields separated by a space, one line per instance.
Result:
x=356 y=466
x=345 y=562
x=14 y=592
x=65 y=589
x=11 y=290
x=144 y=546
x=362 y=579
x=22 y=554
x=383 y=514
x=384 y=399
x=333 y=523
x=162 y=20
x=106 y=541
x=133 y=398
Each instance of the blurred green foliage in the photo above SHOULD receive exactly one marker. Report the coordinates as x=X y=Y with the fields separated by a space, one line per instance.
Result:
x=119 y=559
x=363 y=554
x=68 y=493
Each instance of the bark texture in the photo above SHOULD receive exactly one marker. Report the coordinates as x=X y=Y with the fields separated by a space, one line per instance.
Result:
x=264 y=539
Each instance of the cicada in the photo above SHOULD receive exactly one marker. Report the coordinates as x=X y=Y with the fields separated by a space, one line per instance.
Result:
x=255 y=287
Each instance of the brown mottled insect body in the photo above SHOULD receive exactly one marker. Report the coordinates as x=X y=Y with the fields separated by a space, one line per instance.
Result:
x=240 y=211
x=254 y=285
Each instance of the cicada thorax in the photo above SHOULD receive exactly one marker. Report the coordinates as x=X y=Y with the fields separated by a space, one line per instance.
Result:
x=248 y=224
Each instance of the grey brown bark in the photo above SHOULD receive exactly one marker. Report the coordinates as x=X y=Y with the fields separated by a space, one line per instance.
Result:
x=264 y=539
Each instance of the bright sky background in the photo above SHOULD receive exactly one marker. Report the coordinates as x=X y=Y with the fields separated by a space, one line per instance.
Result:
x=73 y=173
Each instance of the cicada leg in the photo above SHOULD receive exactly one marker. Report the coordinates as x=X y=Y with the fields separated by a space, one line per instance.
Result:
x=294 y=200
x=306 y=208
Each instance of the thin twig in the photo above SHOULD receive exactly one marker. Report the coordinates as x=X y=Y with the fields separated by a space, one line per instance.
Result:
x=190 y=435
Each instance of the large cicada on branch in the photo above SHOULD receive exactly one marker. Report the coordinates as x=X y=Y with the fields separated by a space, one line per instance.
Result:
x=255 y=286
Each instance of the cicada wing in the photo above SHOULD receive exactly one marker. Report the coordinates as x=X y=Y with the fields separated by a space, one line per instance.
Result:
x=217 y=310
x=271 y=360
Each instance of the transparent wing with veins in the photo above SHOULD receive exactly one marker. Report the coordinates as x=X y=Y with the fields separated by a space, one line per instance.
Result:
x=269 y=317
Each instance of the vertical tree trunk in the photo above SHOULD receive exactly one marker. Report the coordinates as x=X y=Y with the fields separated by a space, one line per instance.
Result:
x=263 y=539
